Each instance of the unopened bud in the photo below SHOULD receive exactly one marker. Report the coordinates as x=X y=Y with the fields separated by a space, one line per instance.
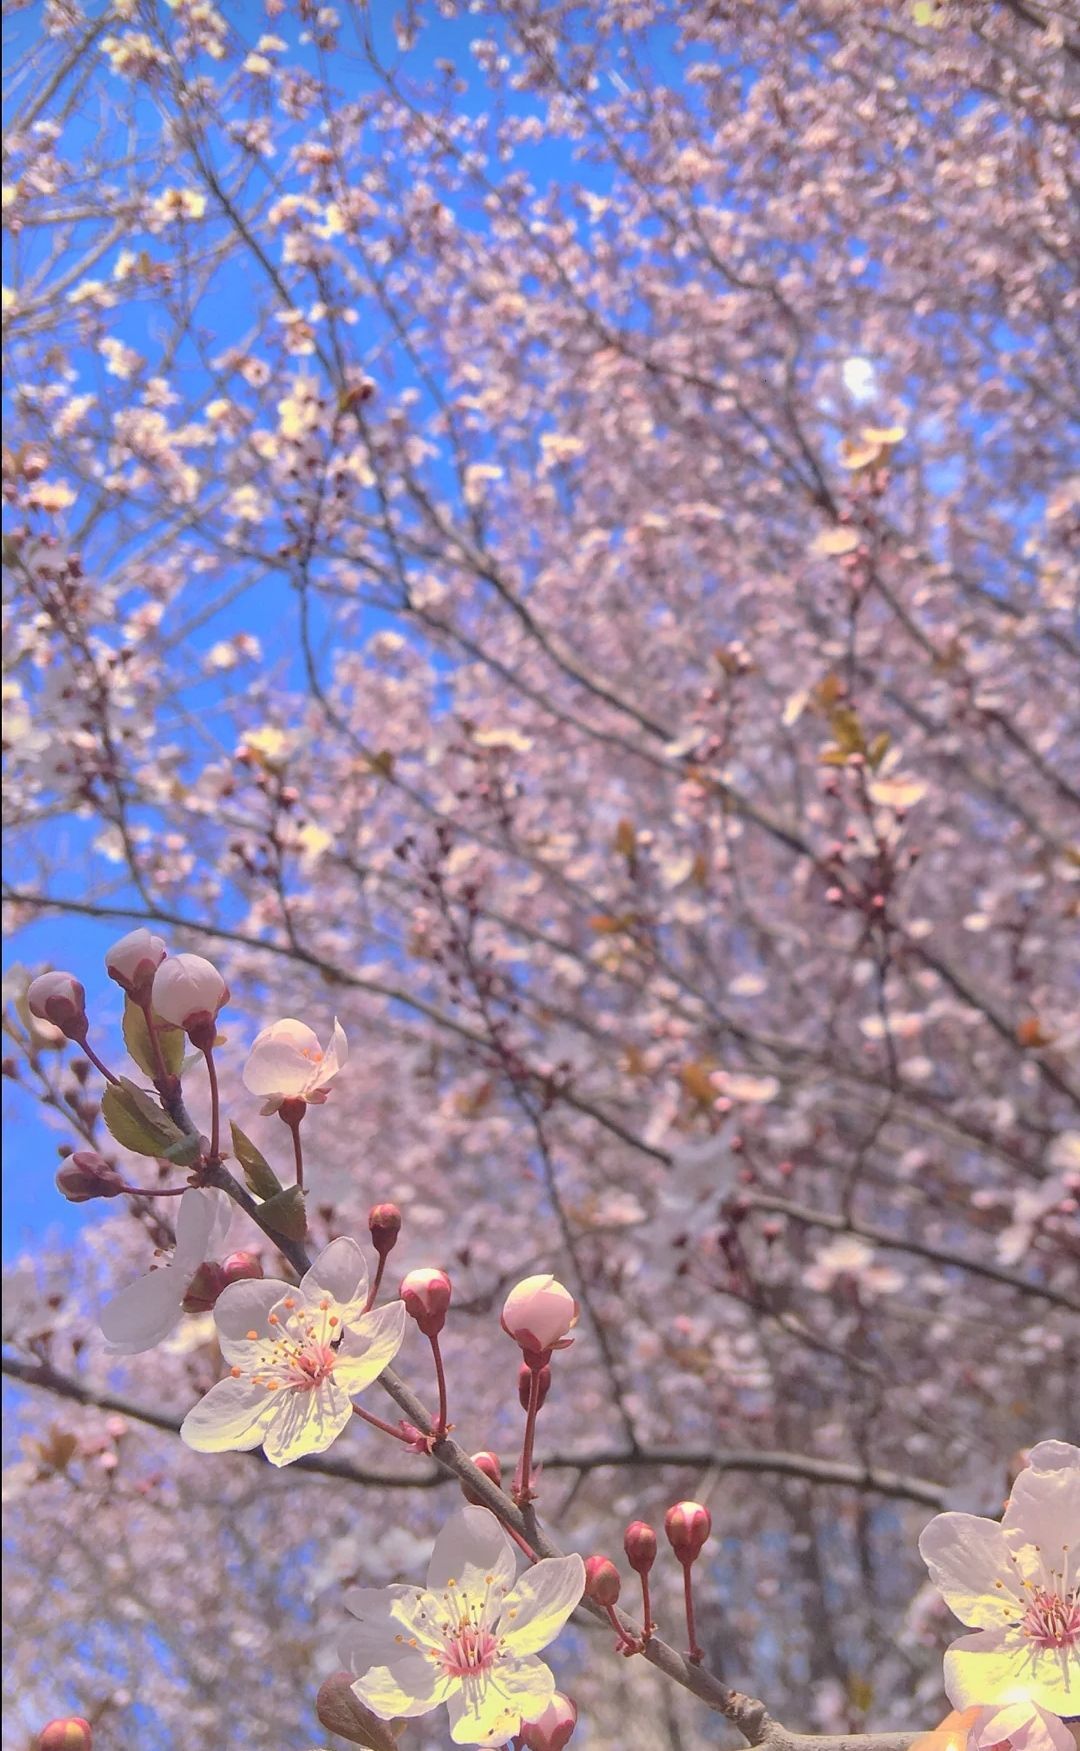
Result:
x=426 y=1294
x=86 y=1175
x=59 y=998
x=543 y=1377
x=687 y=1525
x=133 y=961
x=188 y=992
x=602 y=1583
x=554 y=1729
x=538 y=1313
x=239 y=1267
x=384 y=1225
x=70 y=1734
x=204 y=1288
x=340 y=1711
x=639 y=1543
x=489 y=1465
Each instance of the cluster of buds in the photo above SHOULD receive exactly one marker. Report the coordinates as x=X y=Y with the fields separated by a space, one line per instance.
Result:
x=688 y=1525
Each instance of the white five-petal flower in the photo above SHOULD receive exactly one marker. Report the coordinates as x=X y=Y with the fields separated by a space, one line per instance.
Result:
x=1017 y=1583
x=297 y=1359
x=147 y=1310
x=469 y=1638
x=286 y=1062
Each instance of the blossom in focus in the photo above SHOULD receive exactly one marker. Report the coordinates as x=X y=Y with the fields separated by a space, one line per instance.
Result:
x=538 y=1314
x=147 y=1310
x=287 y=1062
x=188 y=991
x=469 y=1638
x=134 y=960
x=297 y=1356
x=1016 y=1583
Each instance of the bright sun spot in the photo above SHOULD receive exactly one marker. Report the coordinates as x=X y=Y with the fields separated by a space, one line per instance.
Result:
x=859 y=378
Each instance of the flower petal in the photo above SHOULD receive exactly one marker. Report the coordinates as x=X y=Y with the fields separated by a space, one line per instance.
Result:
x=242 y=1308
x=1026 y=1727
x=471 y=1543
x=369 y=1346
x=1054 y=1456
x=145 y=1312
x=971 y=1567
x=1042 y=1521
x=204 y=1216
x=516 y=1690
x=411 y=1686
x=1004 y=1665
x=283 y=1058
x=306 y=1421
x=232 y=1418
x=535 y=1610
x=380 y=1613
x=340 y=1275
x=336 y=1055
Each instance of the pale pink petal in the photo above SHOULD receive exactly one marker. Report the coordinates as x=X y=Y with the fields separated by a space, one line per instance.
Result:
x=535 y=1610
x=411 y=1686
x=281 y=1066
x=1026 y=1727
x=1003 y=1665
x=244 y=1308
x=380 y=1613
x=340 y=1274
x=203 y=1218
x=307 y=1421
x=336 y=1055
x=471 y=1544
x=1044 y=1512
x=969 y=1563
x=232 y=1418
x=1054 y=1456
x=518 y=1690
x=369 y=1346
x=145 y=1312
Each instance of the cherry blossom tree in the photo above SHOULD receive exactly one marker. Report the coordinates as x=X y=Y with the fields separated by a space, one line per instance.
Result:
x=541 y=613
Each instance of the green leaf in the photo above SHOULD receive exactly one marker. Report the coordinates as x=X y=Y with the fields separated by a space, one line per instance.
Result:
x=285 y=1213
x=137 y=1122
x=137 y=1041
x=260 y=1176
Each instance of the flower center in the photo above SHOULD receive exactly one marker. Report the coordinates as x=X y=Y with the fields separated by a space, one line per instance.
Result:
x=301 y=1357
x=1053 y=1620
x=469 y=1653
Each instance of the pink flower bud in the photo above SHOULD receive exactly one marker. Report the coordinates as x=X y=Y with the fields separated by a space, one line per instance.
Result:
x=86 y=1175
x=426 y=1294
x=384 y=1223
x=133 y=961
x=204 y=1288
x=554 y=1729
x=70 y=1734
x=489 y=1465
x=639 y=1543
x=59 y=998
x=602 y=1583
x=239 y=1267
x=538 y=1313
x=188 y=992
x=525 y=1374
x=687 y=1525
